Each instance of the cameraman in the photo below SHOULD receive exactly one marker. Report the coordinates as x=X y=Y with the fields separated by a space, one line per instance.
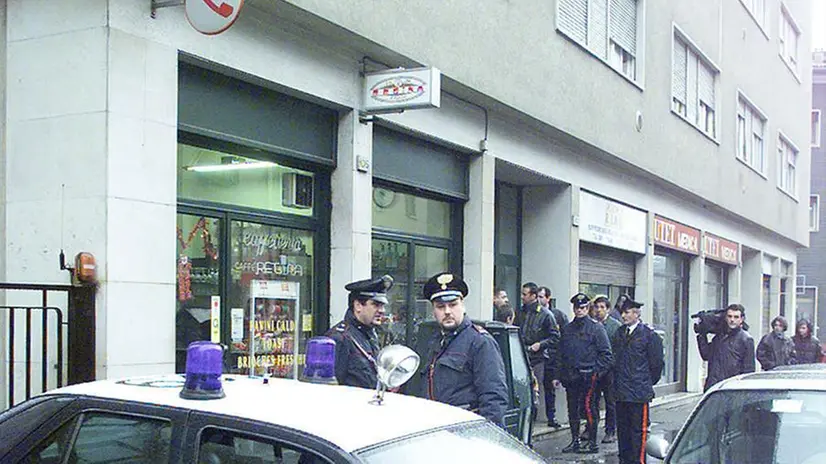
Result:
x=730 y=353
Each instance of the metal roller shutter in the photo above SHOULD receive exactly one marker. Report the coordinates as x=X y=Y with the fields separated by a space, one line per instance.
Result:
x=606 y=266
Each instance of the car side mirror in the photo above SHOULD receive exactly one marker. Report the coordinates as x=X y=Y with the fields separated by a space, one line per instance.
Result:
x=657 y=447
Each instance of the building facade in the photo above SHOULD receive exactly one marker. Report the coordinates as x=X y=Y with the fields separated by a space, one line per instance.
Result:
x=811 y=279
x=231 y=183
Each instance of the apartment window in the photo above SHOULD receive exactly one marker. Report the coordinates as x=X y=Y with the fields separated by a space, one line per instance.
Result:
x=814 y=213
x=607 y=28
x=757 y=8
x=693 y=81
x=815 y=128
x=751 y=125
x=787 y=162
x=789 y=37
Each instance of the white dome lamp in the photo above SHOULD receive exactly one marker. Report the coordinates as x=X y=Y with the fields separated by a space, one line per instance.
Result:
x=395 y=365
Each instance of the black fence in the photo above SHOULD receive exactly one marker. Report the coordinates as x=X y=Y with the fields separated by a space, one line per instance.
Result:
x=76 y=347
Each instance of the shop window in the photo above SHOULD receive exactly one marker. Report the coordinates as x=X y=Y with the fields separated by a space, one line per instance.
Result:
x=411 y=214
x=767 y=279
x=227 y=178
x=716 y=286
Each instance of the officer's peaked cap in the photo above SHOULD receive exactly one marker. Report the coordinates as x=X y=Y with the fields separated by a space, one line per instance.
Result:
x=445 y=287
x=372 y=289
x=580 y=299
x=628 y=303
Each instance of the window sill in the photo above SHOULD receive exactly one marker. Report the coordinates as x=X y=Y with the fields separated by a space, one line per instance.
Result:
x=793 y=197
x=602 y=60
x=761 y=174
x=791 y=68
x=695 y=126
x=756 y=21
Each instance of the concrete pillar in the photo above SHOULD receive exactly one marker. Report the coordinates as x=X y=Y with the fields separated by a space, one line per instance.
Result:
x=477 y=268
x=573 y=280
x=752 y=288
x=352 y=219
x=547 y=240
x=3 y=184
x=644 y=278
x=695 y=369
x=95 y=110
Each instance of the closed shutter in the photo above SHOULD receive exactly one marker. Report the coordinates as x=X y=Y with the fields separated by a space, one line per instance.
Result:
x=624 y=24
x=679 y=74
x=705 y=86
x=573 y=19
x=598 y=28
x=606 y=266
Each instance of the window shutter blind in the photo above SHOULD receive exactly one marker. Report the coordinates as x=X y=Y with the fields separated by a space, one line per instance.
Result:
x=624 y=24
x=678 y=74
x=705 y=86
x=598 y=28
x=573 y=19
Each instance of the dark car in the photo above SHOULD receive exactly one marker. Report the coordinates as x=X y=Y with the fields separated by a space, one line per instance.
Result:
x=517 y=371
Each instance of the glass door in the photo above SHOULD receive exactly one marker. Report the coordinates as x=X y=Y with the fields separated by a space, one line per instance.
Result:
x=198 y=281
x=670 y=316
x=410 y=264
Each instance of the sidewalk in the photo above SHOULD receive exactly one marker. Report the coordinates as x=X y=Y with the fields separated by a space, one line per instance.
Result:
x=542 y=431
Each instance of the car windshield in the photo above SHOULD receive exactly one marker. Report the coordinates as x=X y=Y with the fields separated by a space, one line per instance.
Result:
x=480 y=442
x=757 y=427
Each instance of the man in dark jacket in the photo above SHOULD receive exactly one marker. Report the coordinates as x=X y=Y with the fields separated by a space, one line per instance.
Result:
x=465 y=367
x=730 y=353
x=544 y=297
x=807 y=347
x=541 y=337
x=356 y=341
x=585 y=356
x=638 y=365
x=775 y=348
x=605 y=388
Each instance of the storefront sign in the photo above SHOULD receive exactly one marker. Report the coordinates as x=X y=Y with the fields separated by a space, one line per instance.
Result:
x=274 y=322
x=212 y=17
x=611 y=224
x=263 y=242
x=674 y=235
x=402 y=89
x=720 y=249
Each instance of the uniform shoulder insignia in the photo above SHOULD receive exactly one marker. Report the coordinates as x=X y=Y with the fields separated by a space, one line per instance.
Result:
x=480 y=329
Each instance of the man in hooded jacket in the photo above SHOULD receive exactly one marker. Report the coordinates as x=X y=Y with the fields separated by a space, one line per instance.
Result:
x=807 y=347
x=775 y=348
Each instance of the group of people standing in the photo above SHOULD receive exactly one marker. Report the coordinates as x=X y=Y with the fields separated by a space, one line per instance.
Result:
x=593 y=355
x=777 y=349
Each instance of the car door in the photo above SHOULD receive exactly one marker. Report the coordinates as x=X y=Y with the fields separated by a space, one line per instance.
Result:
x=95 y=430
x=221 y=439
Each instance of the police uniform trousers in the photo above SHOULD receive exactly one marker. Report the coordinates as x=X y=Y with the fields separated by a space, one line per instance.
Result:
x=582 y=397
x=632 y=431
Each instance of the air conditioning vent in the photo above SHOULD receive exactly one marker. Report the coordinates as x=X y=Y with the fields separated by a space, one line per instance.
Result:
x=296 y=190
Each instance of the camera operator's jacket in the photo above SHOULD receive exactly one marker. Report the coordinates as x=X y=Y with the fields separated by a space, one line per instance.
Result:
x=728 y=354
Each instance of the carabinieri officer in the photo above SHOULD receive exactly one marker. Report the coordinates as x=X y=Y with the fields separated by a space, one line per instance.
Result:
x=357 y=344
x=465 y=366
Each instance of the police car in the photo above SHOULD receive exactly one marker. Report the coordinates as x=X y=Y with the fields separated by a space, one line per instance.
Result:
x=777 y=417
x=206 y=417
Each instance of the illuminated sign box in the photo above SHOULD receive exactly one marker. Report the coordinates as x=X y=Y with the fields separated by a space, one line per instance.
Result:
x=396 y=90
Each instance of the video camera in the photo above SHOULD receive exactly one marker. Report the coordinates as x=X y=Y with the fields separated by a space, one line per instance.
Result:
x=712 y=321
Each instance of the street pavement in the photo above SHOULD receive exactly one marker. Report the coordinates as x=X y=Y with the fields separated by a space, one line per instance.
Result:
x=666 y=420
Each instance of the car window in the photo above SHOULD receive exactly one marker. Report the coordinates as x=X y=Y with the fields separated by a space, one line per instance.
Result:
x=220 y=446
x=771 y=427
x=19 y=421
x=106 y=438
x=479 y=443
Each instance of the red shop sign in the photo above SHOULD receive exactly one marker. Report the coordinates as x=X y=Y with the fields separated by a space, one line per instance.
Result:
x=676 y=236
x=720 y=249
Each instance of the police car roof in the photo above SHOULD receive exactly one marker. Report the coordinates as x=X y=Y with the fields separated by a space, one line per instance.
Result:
x=803 y=379
x=339 y=414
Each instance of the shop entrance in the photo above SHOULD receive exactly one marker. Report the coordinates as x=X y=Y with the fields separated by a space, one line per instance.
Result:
x=606 y=271
x=670 y=316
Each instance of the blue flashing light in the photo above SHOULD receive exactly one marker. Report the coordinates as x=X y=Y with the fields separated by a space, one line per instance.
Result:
x=204 y=365
x=320 y=364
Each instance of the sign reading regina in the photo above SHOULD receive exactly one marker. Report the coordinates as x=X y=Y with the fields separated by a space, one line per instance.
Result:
x=212 y=16
x=402 y=89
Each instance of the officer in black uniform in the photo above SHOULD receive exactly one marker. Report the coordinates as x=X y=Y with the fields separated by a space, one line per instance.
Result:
x=638 y=356
x=357 y=344
x=465 y=366
x=585 y=356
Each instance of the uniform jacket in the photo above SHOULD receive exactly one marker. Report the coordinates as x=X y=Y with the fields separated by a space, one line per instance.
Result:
x=775 y=350
x=728 y=354
x=808 y=349
x=638 y=363
x=561 y=318
x=465 y=369
x=356 y=350
x=539 y=326
x=583 y=350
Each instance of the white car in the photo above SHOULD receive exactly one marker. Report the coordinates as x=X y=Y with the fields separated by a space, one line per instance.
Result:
x=773 y=417
x=251 y=420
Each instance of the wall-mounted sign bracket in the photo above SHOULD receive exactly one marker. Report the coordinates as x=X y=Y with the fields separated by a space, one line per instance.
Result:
x=157 y=4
